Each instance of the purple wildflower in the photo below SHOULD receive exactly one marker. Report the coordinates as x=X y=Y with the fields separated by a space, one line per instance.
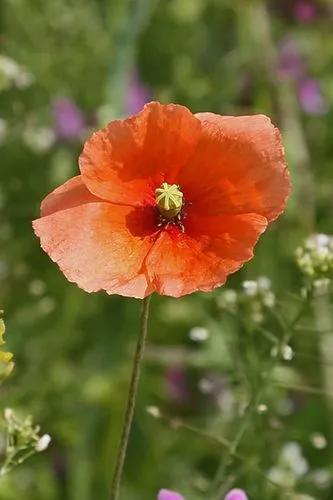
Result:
x=176 y=385
x=138 y=95
x=311 y=98
x=304 y=11
x=69 y=121
x=169 y=495
x=290 y=62
x=236 y=494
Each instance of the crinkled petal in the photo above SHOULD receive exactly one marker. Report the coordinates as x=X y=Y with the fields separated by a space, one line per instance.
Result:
x=204 y=255
x=128 y=159
x=69 y=195
x=100 y=246
x=238 y=167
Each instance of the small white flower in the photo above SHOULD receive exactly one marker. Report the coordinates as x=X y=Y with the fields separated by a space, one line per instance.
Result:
x=198 y=334
x=264 y=283
x=37 y=287
x=301 y=467
x=9 y=67
x=318 y=440
x=323 y=252
x=206 y=386
x=321 y=477
x=262 y=408
x=287 y=353
x=153 y=411
x=8 y=414
x=292 y=458
x=227 y=298
x=321 y=240
x=43 y=442
x=250 y=287
x=291 y=451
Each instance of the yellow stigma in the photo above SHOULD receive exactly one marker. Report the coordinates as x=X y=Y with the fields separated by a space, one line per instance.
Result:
x=169 y=199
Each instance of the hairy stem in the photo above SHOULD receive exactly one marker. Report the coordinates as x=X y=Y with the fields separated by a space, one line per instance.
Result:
x=132 y=393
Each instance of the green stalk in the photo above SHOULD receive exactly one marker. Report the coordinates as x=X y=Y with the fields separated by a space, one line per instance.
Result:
x=131 y=399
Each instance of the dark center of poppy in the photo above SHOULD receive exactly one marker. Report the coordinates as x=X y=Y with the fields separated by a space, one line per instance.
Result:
x=169 y=200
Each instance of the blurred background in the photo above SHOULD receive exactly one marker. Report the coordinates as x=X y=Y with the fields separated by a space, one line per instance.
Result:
x=251 y=362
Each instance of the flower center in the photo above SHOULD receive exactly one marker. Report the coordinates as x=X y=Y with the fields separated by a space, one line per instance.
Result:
x=169 y=200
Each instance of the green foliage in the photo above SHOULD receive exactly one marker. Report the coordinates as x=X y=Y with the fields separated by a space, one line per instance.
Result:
x=251 y=404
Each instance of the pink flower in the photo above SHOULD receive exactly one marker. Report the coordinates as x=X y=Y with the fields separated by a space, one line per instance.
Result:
x=169 y=495
x=236 y=494
x=311 y=98
x=177 y=385
x=304 y=11
x=290 y=61
x=138 y=95
x=69 y=120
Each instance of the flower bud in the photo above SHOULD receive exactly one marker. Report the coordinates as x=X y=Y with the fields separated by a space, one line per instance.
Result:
x=43 y=442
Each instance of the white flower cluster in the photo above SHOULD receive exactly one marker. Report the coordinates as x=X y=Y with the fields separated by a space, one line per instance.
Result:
x=290 y=467
x=198 y=334
x=315 y=257
x=11 y=73
x=254 y=297
x=22 y=440
x=260 y=289
x=285 y=351
x=38 y=138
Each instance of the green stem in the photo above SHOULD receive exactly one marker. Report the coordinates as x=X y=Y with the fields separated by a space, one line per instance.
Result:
x=176 y=423
x=324 y=322
x=132 y=393
x=232 y=451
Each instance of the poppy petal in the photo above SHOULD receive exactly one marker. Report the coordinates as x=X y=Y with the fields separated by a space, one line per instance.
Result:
x=202 y=257
x=238 y=167
x=70 y=194
x=128 y=159
x=100 y=246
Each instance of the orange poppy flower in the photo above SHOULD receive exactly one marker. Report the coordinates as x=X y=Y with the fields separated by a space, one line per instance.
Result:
x=167 y=201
